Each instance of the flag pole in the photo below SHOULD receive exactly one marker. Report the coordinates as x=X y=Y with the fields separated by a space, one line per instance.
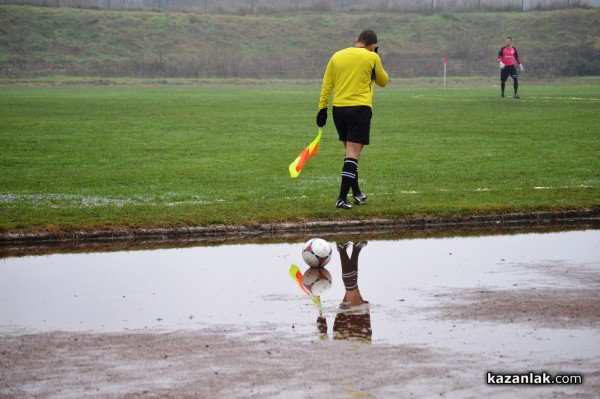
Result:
x=445 y=64
x=444 y=74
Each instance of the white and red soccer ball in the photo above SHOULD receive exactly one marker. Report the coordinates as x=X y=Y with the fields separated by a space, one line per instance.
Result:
x=316 y=280
x=317 y=252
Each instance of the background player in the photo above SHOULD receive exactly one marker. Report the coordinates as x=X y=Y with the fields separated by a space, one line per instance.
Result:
x=506 y=58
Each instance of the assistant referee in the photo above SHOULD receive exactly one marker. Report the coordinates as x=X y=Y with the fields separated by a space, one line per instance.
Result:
x=351 y=74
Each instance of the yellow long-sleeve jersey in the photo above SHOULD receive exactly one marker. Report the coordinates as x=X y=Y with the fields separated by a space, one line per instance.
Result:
x=351 y=73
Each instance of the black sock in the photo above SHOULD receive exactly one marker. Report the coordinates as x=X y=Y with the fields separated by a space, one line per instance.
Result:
x=516 y=86
x=349 y=172
x=502 y=85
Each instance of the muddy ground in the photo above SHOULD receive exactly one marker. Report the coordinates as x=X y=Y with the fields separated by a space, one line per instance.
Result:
x=232 y=363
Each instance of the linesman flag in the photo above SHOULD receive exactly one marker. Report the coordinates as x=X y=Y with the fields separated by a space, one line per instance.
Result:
x=296 y=167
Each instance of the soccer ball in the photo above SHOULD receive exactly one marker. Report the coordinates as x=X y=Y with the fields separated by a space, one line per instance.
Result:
x=316 y=252
x=316 y=280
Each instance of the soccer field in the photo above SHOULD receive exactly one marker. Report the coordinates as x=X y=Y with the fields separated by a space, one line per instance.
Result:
x=101 y=157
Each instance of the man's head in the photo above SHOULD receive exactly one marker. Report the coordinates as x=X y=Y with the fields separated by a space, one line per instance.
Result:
x=508 y=41
x=368 y=39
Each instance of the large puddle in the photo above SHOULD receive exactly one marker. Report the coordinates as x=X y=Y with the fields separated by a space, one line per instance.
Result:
x=407 y=282
x=515 y=302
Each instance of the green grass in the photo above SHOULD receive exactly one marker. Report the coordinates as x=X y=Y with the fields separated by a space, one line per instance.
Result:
x=97 y=157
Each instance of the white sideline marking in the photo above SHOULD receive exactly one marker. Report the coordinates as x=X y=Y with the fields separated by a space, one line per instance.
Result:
x=66 y=201
x=80 y=201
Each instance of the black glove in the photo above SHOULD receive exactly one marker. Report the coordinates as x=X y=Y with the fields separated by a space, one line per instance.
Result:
x=322 y=117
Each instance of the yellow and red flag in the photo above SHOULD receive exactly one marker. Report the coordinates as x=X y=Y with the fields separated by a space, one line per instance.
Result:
x=296 y=167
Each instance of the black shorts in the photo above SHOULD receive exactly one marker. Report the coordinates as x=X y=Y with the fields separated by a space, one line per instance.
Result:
x=507 y=71
x=353 y=123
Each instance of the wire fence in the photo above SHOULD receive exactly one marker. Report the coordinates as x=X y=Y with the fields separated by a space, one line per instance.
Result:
x=270 y=6
x=537 y=68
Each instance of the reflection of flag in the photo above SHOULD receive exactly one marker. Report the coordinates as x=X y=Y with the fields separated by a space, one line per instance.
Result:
x=296 y=167
x=446 y=59
x=296 y=274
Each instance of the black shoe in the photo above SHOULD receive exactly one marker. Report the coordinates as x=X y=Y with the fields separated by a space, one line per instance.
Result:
x=516 y=96
x=361 y=244
x=502 y=95
x=343 y=204
x=341 y=246
x=360 y=199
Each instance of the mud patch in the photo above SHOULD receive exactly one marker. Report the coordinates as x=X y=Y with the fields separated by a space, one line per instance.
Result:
x=235 y=364
x=544 y=307
x=208 y=364
x=563 y=295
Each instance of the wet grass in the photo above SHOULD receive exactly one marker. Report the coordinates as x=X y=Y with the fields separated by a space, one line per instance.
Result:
x=90 y=157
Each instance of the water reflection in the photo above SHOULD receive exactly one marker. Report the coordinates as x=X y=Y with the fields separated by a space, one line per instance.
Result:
x=353 y=318
x=411 y=285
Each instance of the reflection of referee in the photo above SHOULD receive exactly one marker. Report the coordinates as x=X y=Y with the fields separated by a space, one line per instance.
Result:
x=353 y=321
x=507 y=56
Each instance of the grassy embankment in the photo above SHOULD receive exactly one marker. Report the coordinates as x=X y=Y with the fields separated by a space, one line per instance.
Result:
x=39 y=42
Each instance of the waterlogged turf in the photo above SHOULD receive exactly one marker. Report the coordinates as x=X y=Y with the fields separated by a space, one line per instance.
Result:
x=161 y=156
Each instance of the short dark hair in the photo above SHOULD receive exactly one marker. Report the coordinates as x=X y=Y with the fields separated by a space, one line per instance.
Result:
x=367 y=37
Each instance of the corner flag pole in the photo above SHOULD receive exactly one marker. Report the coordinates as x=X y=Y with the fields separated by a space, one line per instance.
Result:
x=445 y=64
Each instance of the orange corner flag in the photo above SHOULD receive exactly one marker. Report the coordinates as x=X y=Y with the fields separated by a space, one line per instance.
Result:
x=296 y=167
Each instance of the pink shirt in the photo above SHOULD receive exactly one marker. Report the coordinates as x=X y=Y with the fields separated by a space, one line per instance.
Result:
x=508 y=55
